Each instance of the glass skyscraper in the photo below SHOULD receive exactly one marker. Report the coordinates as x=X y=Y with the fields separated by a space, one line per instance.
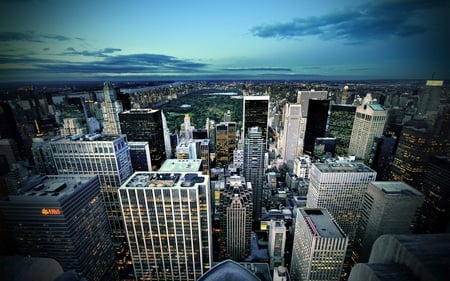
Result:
x=256 y=114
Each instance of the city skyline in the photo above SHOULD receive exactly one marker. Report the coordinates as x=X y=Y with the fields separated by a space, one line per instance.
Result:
x=366 y=39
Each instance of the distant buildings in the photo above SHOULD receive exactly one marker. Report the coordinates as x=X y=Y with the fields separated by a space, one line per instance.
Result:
x=111 y=107
x=168 y=221
x=63 y=217
x=341 y=124
x=319 y=246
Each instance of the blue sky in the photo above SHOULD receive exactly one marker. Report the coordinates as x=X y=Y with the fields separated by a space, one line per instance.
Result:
x=127 y=40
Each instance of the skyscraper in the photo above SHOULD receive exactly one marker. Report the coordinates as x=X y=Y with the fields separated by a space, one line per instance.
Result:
x=235 y=211
x=319 y=246
x=168 y=222
x=291 y=132
x=369 y=123
x=256 y=114
x=63 y=217
x=254 y=148
x=389 y=207
x=111 y=107
x=146 y=125
x=276 y=244
x=140 y=156
x=316 y=124
x=105 y=156
x=341 y=124
x=225 y=143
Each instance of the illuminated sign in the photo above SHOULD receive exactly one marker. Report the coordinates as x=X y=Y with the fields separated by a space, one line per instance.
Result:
x=435 y=83
x=50 y=211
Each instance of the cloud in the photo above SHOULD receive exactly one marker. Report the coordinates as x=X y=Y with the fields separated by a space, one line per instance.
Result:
x=375 y=20
x=99 y=53
x=274 y=69
x=30 y=36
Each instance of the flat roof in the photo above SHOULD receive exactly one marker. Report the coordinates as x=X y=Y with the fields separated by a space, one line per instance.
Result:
x=396 y=188
x=88 y=138
x=181 y=165
x=376 y=107
x=144 y=180
x=321 y=223
x=333 y=167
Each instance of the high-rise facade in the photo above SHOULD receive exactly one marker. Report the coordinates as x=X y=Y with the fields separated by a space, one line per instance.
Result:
x=316 y=124
x=256 y=114
x=340 y=187
x=106 y=156
x=63 y=217
x=319 y=246
x=168 y=223
x=235 y=211
x=146 y=125
x=111 y=107
x=276 y=244
x=140 y=156
x=389 y=207
x=254 y=149
x=341 y=124
x=369 y=122
x=225 y=143
x=291 y=132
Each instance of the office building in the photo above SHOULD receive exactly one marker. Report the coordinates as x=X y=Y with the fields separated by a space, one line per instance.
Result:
x=276 y=244
x=324 y=148
x=254 y=169
x=256 y=114
x=168 y=223
x=302 y=166
x=319 y=246
x=304 y=98
x=291 y=132
x=389 y=207
x=140 y=156
x=435 y=213
x=316 y=123
x=111 y=107
x=225 y=143
x=146 y=125
x=369 y=122
x=186 y=149
x=235 y=212
x=42 y=156
x=341 y=125
x=63 y=217
x=107 y=156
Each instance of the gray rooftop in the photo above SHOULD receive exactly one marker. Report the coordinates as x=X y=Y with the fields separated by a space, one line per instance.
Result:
x=396 y=188
x=322 y=222
x=144 y=180
x=345 y=167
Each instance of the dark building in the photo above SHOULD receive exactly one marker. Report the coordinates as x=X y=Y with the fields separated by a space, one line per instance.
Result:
x=340 y=127
x=381 y=156
x=435 y=214
x=146 y=125
x=199 y=134
x=316 y=123
x=324 y=147
x=225 y=143
x=256 y=114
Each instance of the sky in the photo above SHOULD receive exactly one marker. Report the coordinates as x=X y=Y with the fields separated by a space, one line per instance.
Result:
x=61 y=40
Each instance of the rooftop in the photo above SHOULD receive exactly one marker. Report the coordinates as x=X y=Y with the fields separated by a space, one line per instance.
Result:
x=142 y=180
x=333 y=167
x=87 y=137
x=396 y=188
x=181 y=165
x=376 y=107
x=321 y=223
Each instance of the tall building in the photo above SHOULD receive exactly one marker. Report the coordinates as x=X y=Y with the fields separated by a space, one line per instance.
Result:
x=146 y=125
x=316 y=124
x=254 y=148
x=304 y=98
x=435 y=213
x=105 y=156
x=225 y=143
x=340 y=187
x=256 y=114
x=276 y=244
x=319 y=246
x=168 y=222
x=369 y=123
x=235 y=211
x=111 y=107
x=389 y=207
x=291 y=132
x=140 y=156
x=42 y=156
x=341 y=124
x=63 y=217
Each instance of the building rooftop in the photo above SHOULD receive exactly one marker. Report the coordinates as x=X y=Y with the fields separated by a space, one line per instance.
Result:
x=140 y=111
x=181 y=165
x=229 y=270
x=321 y=223
x=334 y=167
x=376 y=107
x=396 y=188
x=87 y=137
x=143 y=180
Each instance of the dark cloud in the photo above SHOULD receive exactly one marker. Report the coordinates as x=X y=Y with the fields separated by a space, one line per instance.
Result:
x=30 y=36
x=375 y=20
x=276 y=69
x=99 y=53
